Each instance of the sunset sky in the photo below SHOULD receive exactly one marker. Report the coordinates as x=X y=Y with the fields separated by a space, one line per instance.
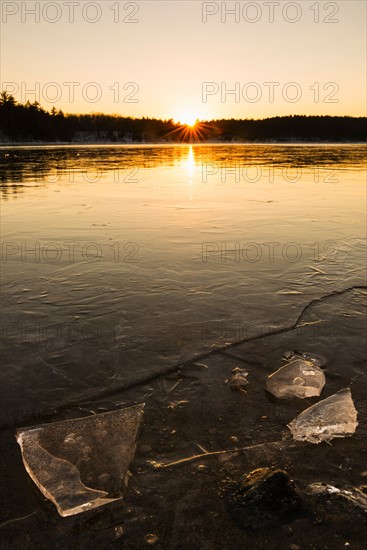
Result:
x=170 y=52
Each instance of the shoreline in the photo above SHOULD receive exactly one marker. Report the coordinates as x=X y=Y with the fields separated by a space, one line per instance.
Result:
x=4 y=145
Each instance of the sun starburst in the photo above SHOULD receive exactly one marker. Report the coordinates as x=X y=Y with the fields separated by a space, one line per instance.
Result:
x=192 y=131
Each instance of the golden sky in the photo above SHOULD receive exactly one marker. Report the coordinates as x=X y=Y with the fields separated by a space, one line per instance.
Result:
x=187 y=59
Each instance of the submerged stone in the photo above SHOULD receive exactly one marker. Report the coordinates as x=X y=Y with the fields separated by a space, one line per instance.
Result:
x=335 y=416
x=344 y=504
x=82 y=463
x=298 y=378
x=238 y=380
x=263 y=498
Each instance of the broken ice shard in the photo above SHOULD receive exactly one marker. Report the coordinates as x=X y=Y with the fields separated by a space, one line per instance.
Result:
x=299 y=378
x=83 y=463
x=335 y=416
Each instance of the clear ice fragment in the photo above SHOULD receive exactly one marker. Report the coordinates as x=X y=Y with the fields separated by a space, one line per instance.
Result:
x=298 y=378
x=82 y=463
x=335 y=416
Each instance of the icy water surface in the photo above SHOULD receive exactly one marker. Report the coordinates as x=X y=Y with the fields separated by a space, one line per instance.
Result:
x=121 y=261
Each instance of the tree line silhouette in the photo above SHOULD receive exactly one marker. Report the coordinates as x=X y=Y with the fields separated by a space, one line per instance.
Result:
x=31 y=122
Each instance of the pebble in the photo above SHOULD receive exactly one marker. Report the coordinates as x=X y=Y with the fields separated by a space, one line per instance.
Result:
x=151 y=539
x=119 y=531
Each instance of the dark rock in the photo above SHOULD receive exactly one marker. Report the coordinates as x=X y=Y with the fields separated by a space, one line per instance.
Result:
x=263 y=498
x=238 y=380
x=346 y=505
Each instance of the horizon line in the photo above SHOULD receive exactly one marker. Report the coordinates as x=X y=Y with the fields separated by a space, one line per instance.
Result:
x=171 y=118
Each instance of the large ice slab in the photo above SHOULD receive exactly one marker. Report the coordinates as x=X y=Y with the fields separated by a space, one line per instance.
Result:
x=299 y=378
x=83 y=463
x=335 y=416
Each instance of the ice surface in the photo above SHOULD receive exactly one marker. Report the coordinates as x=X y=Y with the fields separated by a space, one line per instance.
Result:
x=335 y=416
x=298 y=378
x=82 y=463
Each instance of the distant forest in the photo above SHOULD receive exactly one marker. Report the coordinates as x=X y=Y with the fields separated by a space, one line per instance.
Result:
x=30 y=122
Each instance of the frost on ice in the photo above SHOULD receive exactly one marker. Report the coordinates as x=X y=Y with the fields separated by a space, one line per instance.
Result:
x=82 y=463
x=335 y=416
x=299 y=378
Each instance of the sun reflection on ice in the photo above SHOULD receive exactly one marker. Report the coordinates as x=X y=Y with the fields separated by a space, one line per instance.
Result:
x=190 y=163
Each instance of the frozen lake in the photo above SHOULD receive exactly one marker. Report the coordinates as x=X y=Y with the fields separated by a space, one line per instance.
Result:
x=121 y=261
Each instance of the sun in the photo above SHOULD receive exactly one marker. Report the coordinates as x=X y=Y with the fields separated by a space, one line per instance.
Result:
x=189 y=128
x=191 y=121
x=187 y=119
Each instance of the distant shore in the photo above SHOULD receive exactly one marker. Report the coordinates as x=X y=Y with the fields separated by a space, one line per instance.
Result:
x=31 y=124
x=170 y=143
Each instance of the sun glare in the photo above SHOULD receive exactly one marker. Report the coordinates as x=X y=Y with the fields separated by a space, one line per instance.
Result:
x=188 y=119
x=191 y=122
x=189 y=128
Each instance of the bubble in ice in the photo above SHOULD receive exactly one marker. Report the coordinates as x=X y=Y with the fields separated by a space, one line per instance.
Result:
x=335 y=416
x=298 y=378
